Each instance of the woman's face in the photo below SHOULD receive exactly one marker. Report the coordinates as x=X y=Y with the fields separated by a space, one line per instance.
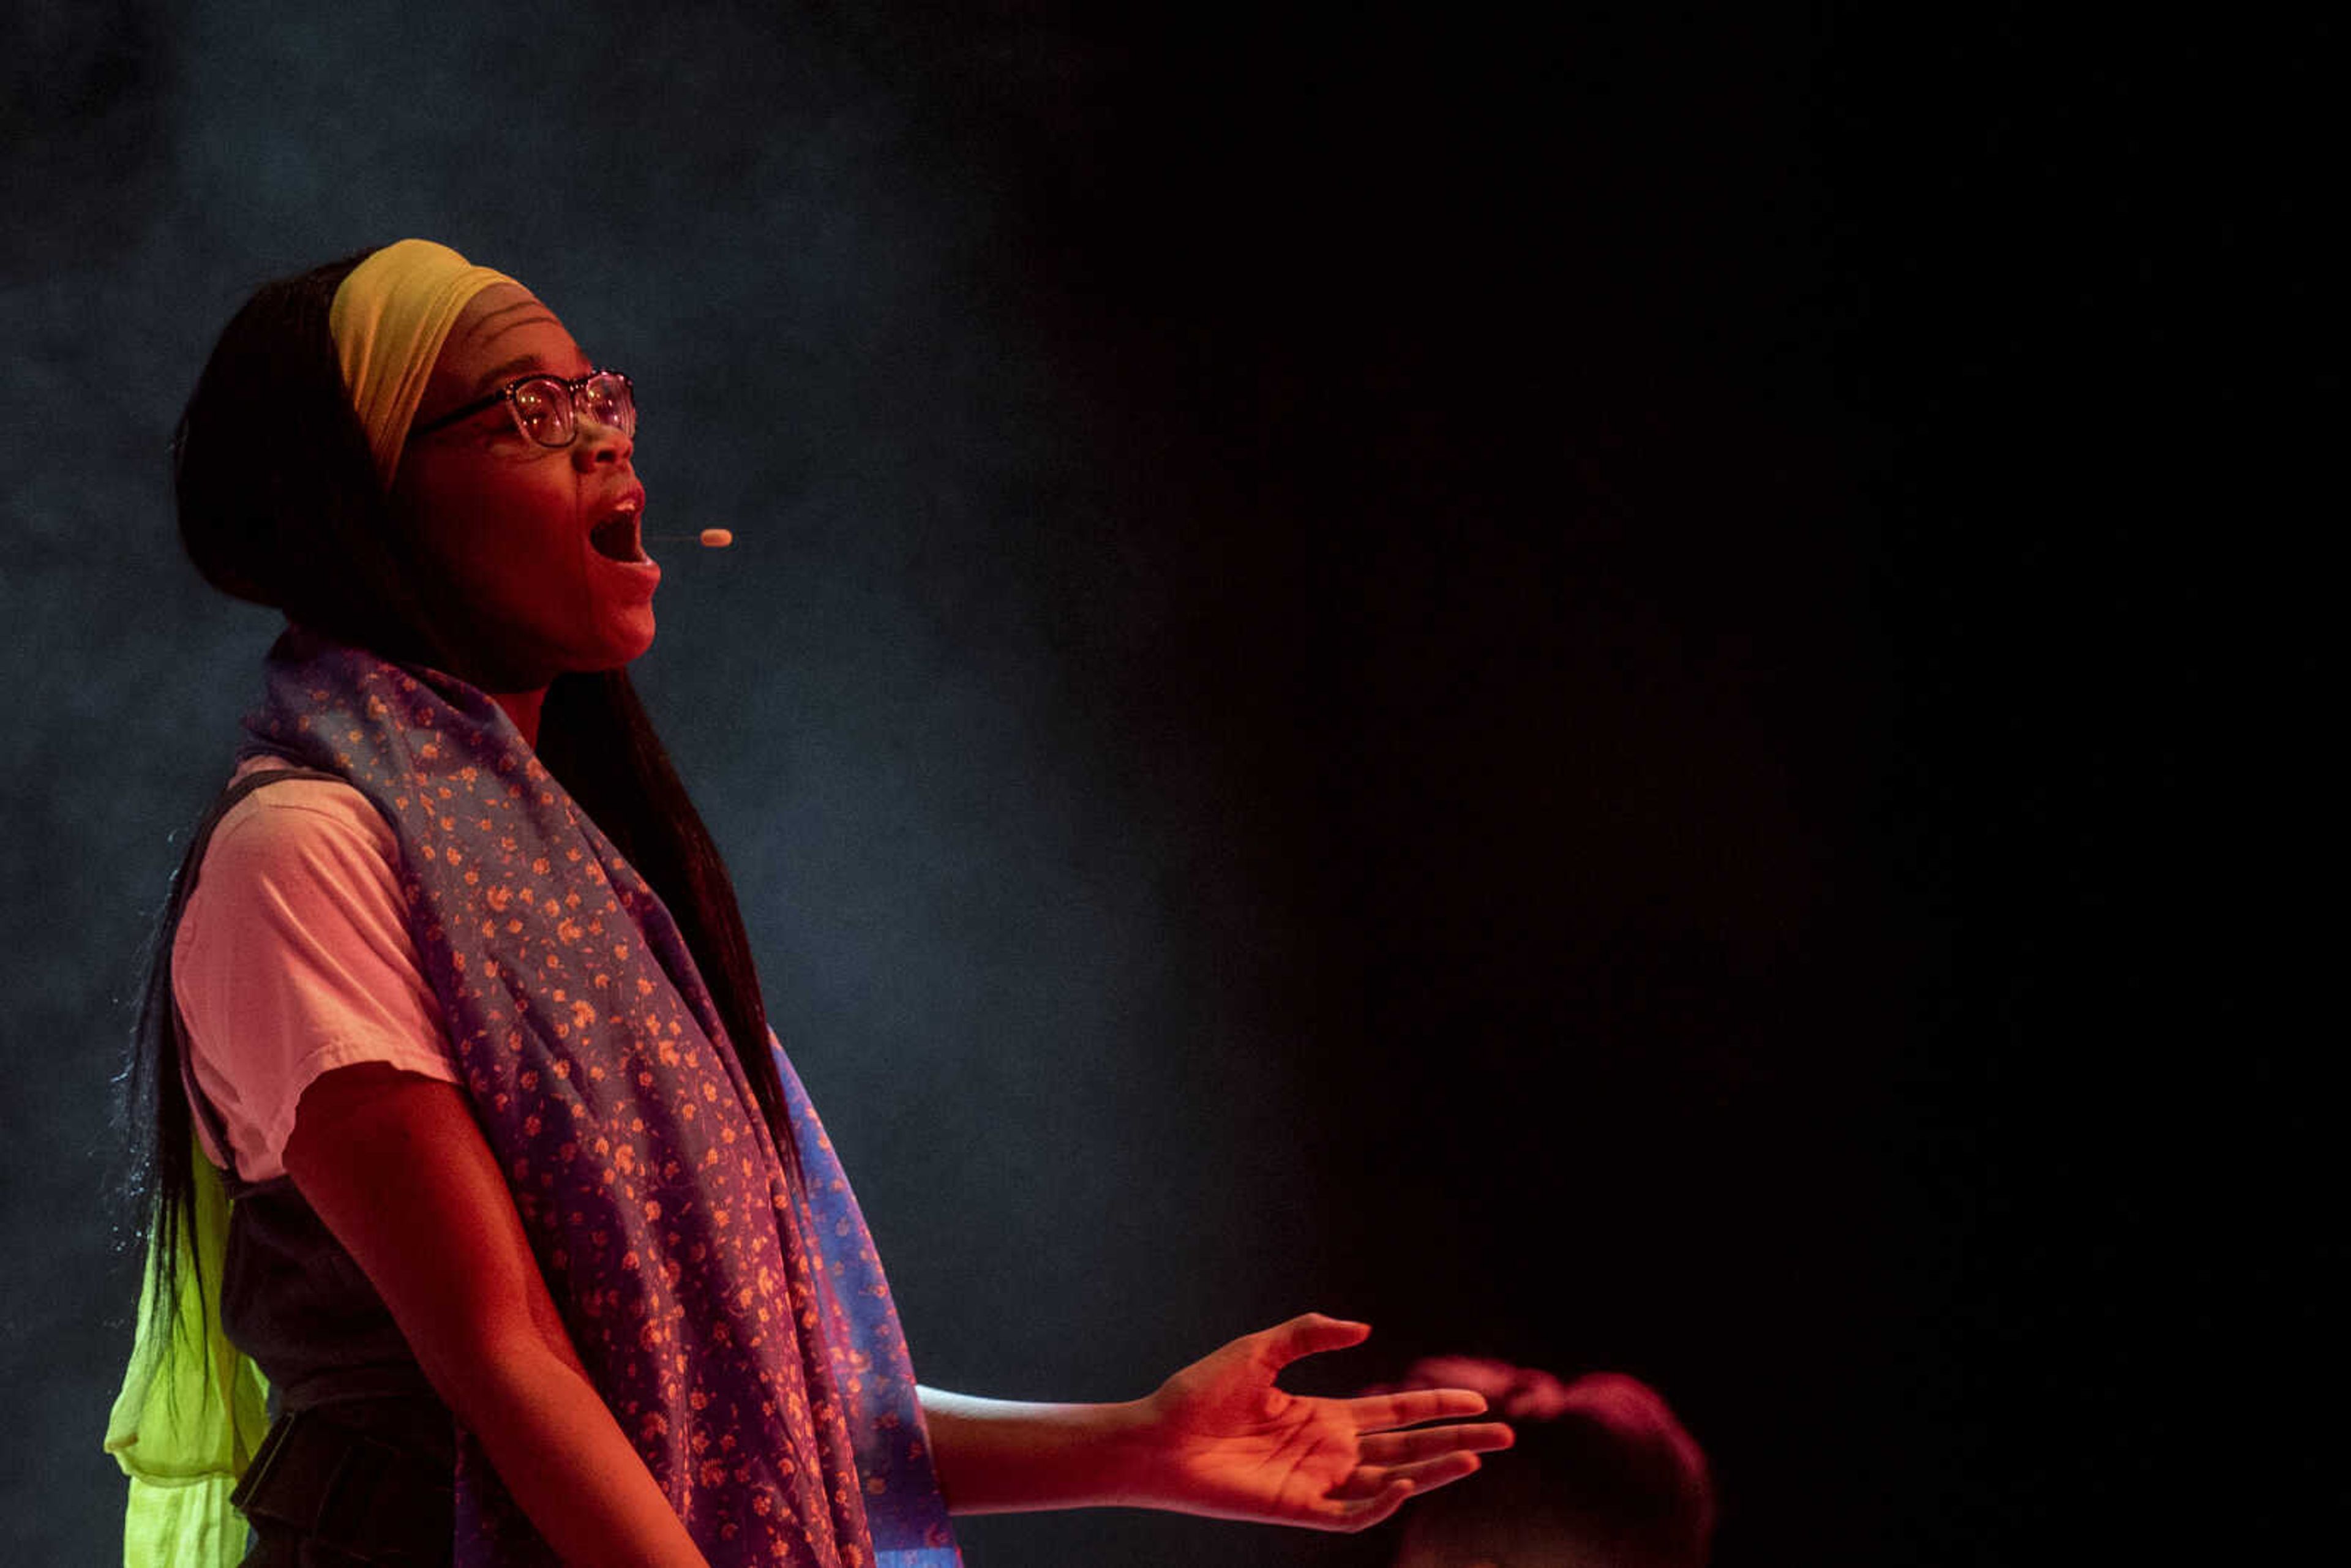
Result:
x=543 y=545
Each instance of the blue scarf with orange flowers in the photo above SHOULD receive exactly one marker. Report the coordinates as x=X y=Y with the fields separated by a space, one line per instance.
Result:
x=736 y=1322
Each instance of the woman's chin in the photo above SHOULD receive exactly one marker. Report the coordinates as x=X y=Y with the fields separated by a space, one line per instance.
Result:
x=621 y=637
x=637 y=638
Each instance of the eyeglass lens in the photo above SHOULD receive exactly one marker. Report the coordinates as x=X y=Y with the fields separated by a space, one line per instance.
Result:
x=544 y=407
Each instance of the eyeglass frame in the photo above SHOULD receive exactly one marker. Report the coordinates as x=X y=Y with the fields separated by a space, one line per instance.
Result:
x=505 y=395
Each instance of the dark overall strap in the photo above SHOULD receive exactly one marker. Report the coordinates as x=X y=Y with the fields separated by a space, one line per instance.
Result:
x=369 y=1478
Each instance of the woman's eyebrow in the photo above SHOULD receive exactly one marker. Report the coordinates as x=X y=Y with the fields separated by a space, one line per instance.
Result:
x=491 y=379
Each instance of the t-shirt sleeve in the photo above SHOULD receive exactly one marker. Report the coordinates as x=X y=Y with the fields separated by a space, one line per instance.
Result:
x=293 y=957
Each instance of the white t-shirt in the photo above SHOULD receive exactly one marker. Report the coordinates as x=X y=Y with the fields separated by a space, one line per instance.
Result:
x=293 y=957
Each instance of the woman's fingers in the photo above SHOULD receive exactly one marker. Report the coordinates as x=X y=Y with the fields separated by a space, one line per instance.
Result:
x=1361 y=1515
x=1372 y=1481
x=1308 y=1335
x=1489 y=1377
x=1430 y=1442
x=1381 y=1412
x=1375 y=1491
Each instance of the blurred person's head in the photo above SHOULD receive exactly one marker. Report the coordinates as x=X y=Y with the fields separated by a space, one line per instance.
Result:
x=1610 y=1481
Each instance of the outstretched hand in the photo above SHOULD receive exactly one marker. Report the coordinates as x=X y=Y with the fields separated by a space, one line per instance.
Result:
x=1231 y=1444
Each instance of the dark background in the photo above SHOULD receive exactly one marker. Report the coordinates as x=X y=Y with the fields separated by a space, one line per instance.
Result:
x=1615 y=690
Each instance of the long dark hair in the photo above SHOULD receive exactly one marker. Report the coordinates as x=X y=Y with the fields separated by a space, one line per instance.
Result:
x=279 y=504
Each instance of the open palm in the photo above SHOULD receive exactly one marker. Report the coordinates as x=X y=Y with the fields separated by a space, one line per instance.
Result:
x=1238 y=1446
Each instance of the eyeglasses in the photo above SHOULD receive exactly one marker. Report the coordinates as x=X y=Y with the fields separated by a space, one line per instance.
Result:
x=546 y=408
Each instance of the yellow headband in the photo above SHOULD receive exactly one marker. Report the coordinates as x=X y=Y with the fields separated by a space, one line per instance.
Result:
x=389 y=319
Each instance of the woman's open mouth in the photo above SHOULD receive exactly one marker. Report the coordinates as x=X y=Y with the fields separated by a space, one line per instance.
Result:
x=619 y=536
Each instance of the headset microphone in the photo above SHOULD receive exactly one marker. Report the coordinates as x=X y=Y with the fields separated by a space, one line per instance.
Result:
x=714 y=539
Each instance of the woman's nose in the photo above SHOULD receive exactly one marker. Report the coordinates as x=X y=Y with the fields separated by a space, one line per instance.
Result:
x=592 y=443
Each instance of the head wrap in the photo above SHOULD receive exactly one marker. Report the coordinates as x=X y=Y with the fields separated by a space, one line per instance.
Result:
x=389 y=319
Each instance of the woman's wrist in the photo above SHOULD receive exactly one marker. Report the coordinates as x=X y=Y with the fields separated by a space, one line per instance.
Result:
x=1002 y=1455
x=1134 y=1469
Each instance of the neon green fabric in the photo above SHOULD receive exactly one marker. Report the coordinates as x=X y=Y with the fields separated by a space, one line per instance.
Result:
x=192 y=1411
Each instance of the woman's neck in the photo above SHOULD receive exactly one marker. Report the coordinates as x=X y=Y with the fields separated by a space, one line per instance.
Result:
x=523 y=708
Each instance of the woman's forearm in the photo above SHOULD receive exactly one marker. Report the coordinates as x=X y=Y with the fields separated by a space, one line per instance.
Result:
x=558 y=1449
x=1005 y=1456
x=395 y=1165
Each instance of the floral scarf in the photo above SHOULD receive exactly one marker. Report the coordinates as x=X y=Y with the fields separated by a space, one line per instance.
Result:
x=737 y=1324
